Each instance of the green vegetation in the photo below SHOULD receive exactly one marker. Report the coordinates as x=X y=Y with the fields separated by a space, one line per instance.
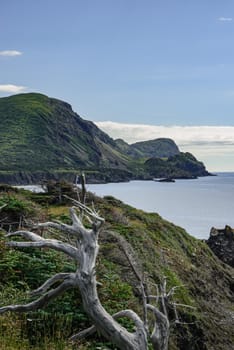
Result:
x=162 y=249
x=41 y=134
x=183 y=165
x=43 y=138
x=161 y=147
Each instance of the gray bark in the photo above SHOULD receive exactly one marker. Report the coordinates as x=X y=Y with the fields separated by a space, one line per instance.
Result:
x=84 y=252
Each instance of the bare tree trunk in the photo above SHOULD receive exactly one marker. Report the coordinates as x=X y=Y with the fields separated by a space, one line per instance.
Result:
x=104 y=323
x=160 y=335
x=84 y=252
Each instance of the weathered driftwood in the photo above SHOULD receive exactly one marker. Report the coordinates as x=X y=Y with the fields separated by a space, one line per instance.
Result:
x=84 y=251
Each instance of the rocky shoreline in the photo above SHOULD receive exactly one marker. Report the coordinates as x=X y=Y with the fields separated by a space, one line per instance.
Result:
x=92 y=176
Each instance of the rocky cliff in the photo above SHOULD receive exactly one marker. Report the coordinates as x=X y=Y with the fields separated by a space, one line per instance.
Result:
x=42 y=137
x=179 y=166
x=221 y=242
x=158 y=148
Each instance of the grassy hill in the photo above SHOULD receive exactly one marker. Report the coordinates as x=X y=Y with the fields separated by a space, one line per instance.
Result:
x=42 y=138
x=161 y=148
x=161 y=249
x=41 y=133
x=182 y=165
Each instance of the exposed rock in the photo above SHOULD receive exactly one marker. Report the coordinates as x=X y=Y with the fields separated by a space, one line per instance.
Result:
x=179 y=166
x=221 y=241
x=161 y=148
x=42 y=138
x=166 y=179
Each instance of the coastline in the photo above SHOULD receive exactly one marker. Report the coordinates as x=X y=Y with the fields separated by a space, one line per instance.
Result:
x=100 y=176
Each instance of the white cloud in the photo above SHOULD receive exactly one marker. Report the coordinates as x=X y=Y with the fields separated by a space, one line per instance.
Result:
x=10 y=53
x=12 y=88
x=211 y=144
x=183 y=135
x=225 y=19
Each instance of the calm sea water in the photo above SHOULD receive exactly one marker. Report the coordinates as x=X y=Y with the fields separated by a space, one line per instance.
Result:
x=195 y=205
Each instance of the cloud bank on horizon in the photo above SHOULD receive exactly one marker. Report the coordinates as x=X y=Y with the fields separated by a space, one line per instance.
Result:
x=214 y=145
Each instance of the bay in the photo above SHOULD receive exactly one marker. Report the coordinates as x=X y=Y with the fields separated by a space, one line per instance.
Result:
x=196 y=205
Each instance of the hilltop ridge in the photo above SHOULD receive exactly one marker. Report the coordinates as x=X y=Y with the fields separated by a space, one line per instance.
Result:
x=42 y=137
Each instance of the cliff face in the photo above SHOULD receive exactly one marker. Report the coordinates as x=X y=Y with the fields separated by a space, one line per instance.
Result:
x=42 y=137
x=158 y=148
x=182 y=165
x=221 y=242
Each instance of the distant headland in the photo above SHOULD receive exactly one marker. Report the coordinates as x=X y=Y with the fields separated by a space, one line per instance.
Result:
x=42 y=138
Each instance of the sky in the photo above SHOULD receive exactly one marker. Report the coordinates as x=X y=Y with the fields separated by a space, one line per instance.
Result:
x=140 y=69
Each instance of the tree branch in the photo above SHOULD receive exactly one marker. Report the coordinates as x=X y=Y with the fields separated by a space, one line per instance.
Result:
x=45 y=286
x=163 y=298
x=130 y=314
x=130 y=255
x=3 y=206
x=159 y=316
x=40 y=242
x=41 y=302
x=160 y=334
x=87 y=210
x=172 y=290
x=59 y=226
x=123 y=313
x=83 y=334
x=34 y=237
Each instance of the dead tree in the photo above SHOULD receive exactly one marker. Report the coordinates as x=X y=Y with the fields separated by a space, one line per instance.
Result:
x=84 y=252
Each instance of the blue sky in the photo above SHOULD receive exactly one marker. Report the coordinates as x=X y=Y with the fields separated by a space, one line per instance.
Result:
x=166 y=62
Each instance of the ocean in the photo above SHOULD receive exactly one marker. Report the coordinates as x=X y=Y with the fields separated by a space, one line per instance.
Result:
x=196 y=205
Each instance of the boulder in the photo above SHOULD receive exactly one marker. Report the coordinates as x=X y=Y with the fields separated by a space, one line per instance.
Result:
x=221 y=242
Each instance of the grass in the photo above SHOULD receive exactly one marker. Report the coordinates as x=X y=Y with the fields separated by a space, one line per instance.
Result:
x=42 y=134
x=161 y=249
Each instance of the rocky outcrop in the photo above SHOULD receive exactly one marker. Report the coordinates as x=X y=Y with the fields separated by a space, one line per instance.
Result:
x=42 y=138
x=160 y=148
x=179 y=166
x=39 y=177
x=221 y=242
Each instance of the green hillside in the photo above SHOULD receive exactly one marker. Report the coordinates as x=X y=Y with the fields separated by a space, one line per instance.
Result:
x=161 y=249
x=162 y=147
x=182 y=165
x=41 y=133
x=42 y=138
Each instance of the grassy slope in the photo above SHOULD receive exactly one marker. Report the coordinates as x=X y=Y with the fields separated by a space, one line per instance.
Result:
x=161 y=248
x=180 y=165
x=40 y=133
x=161 y=147
x=165 y=249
